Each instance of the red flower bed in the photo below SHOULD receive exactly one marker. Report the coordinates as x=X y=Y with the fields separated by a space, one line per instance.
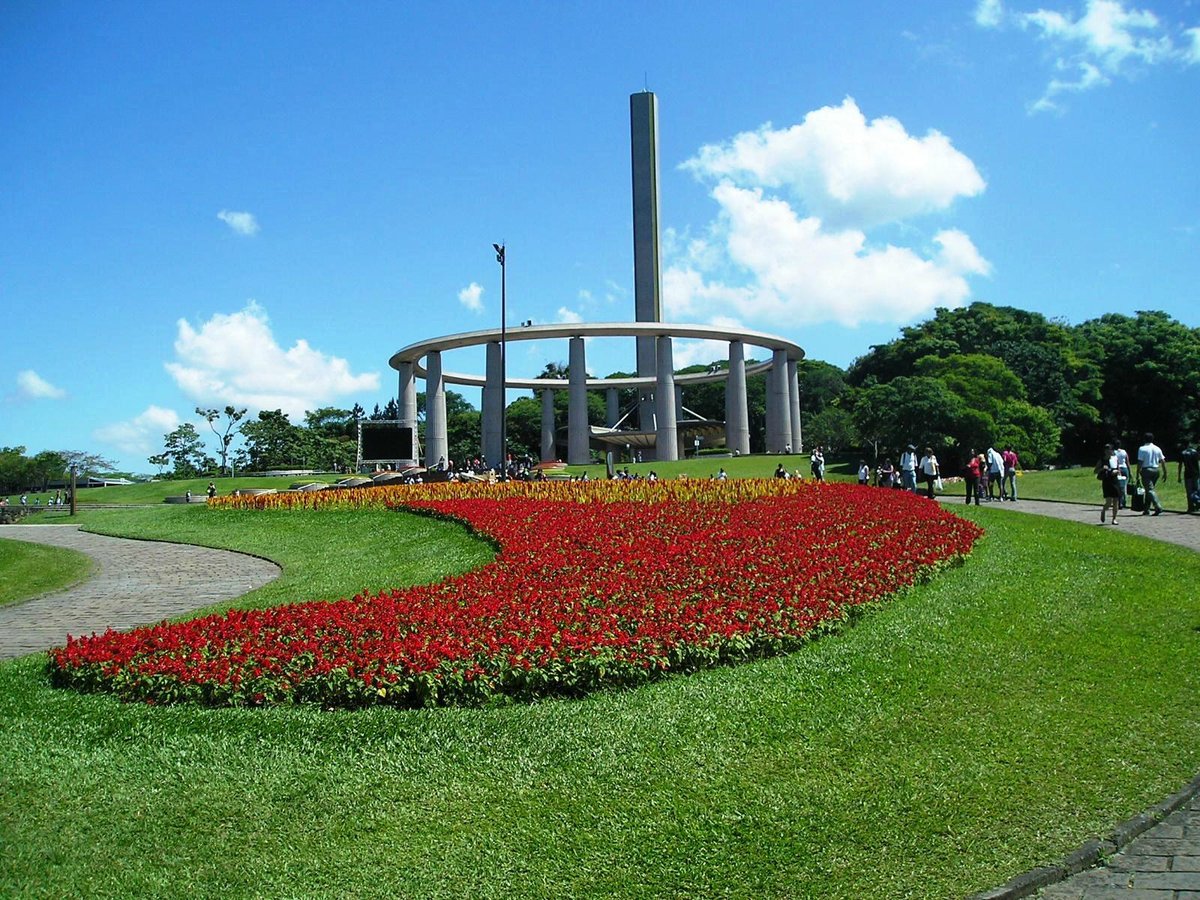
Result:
x=612 y=591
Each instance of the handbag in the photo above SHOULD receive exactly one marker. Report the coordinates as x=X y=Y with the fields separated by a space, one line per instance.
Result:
x=937 y=485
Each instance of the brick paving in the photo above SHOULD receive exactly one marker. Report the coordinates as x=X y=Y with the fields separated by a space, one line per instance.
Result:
x=133 y=583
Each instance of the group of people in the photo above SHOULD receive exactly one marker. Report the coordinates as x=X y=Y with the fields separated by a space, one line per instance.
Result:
x=991 y=473
x=1121 y=490
x=59 y=499
x=909 y=474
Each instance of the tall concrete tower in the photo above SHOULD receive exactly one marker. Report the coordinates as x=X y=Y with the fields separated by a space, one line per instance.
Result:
x=647 y=274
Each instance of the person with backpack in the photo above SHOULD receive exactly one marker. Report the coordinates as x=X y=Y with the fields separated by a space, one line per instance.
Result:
x=1107 y=471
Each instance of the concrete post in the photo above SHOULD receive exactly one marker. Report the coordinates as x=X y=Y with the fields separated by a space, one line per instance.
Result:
x=407 y=395
x=577 y=418
x=548 y=452
x=612 y=407
x=737 y=415
x=779 y=425
x=436 y=442
x=793 y=388
x=666 y=442
x=493 y=400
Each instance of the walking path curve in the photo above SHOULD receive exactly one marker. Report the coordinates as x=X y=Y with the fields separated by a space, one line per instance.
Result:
x=134 y=583
x=1154 y=855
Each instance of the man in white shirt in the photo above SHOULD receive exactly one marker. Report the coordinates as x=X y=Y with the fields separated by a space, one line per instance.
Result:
x=908 y=468
x=1150 y=462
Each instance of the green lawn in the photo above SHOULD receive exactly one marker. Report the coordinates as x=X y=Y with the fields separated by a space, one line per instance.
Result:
x=965 y=731
x=29 y=570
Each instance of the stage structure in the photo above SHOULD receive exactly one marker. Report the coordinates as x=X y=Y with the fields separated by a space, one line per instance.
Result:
x=661 y=431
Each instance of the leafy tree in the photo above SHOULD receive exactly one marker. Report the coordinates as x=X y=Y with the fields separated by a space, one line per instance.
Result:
x=14 y=470
x=224 y=437
x=983 y=382
x=1030 y=430
x=1151 y=377
x=917 y=410
x=524 y=425
x=160 y=461
x=1056 y=364
x=46 y=465
x=185 y=449
x=831 y=428
x=86 y=462
x=272 y=441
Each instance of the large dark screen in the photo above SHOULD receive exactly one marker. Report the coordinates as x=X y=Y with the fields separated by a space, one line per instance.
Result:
x=382 y=440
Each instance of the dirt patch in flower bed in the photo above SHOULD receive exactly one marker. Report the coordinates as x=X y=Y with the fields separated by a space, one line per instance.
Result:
x=594 y=586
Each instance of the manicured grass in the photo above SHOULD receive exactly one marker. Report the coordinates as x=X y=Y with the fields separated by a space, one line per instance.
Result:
x=29 y=570
x=967 y=730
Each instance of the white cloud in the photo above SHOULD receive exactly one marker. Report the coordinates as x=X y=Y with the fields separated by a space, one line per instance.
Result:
x=1089 y=77
x=243 y=223
x=472 y=297
x=234 y=359
x=143 y=434
x=32 y=386
x=568 y=316
x=781 y=270
x=1108 y=40
x=1191 y=50
x=989 y=13
x=845 y=170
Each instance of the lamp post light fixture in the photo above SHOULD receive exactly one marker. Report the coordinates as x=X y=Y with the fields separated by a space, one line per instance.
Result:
x=499 y=248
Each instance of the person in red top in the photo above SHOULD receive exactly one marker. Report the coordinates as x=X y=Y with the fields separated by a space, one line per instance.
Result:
x=971 y=477
x=1008 y=487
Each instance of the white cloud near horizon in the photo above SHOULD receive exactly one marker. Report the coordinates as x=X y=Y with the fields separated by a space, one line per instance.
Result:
x=472 y=297
x=143 y=434
x=32 y=386
x=1109 y=40
x=791 y=242
x=243 y=223
x=235 y=359
x=845 y=170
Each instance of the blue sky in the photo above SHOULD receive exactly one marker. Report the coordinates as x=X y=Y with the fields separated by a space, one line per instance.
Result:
x=258 y=203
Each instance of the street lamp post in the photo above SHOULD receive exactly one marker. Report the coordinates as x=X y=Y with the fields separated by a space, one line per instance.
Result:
x=503 y=361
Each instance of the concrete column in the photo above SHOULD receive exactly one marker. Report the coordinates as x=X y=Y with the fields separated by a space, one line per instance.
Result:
x=612 y=407
x=737 y=415
x=492 y=444
x=436 y=443
x=548 y=452
x=666 y=441
x=793 y=387
x=407 y=397
x=577 y=419
x=779 y=425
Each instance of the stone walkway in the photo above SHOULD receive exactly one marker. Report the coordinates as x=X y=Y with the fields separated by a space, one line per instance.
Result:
x=133 y=583
x=1155 y=855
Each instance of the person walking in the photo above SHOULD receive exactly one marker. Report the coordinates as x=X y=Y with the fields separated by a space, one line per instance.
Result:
x=1122 y=473
x=930 y=471
x=817 y=463
x=864 y=472
x=1106 y=472
x=908 y=468
x=1187 y=470
x=1150 y=459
